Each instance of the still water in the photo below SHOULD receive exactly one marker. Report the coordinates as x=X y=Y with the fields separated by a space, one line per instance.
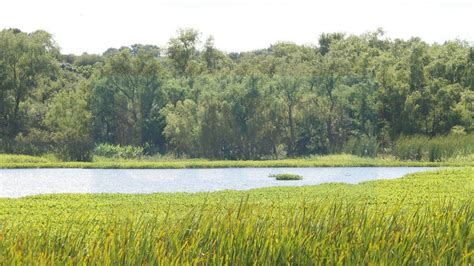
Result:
x=24 y=182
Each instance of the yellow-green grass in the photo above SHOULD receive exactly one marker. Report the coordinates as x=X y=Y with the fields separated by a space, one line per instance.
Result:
x=343 y=160
x=425 y=218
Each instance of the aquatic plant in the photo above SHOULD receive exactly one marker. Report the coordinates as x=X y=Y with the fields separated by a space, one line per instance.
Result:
x=286 y=177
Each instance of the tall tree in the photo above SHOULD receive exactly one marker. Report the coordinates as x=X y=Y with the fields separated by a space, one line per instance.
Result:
x=182 y=50
x=24 y=59
x=69 y=121
x=135 y=77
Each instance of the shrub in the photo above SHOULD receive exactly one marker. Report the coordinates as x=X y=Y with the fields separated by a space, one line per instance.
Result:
x=118 y=151
x=37 y=142
x=74 y=150
x=365 y=146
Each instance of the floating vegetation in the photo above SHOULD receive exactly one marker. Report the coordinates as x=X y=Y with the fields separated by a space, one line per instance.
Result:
x=287 y=177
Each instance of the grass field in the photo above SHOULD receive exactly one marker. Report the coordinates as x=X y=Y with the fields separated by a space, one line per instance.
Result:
x=425 y=218
x=24 y=161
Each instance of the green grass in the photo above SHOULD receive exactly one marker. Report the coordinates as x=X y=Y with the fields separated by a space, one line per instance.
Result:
x=286 y=177
x=20 y=161
x=425 y=218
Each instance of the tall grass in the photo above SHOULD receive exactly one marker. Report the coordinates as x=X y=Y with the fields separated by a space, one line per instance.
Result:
x=423 y=148
x=327 y=233
x=19 y=159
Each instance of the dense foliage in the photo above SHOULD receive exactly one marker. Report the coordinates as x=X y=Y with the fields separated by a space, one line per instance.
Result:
x=425 y=218
x=118 y=152
x=355 y=94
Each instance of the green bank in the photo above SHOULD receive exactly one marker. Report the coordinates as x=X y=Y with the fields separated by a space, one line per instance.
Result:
x=24 y=161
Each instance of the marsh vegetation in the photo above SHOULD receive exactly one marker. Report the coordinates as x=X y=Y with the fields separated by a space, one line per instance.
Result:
x=424 y=218
x=286 y=176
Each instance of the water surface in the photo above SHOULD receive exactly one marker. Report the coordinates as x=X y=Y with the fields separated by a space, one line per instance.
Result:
x=25 y=182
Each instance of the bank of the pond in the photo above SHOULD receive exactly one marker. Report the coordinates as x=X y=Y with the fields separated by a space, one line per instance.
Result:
x=424 y=218
x=22 y=161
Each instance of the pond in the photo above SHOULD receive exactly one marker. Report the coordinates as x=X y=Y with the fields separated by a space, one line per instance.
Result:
x=24 y=182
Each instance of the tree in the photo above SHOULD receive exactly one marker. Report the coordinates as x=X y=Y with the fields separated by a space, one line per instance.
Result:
x=135 y=77
x=69 y=121
x=346 y=93
x=290 y=88
x=182 y=50
x=24 y=59
x=328 y=39
x=182 y=128
x=328 y=73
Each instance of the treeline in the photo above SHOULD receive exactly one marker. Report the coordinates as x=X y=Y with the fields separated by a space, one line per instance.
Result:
x=355 y=94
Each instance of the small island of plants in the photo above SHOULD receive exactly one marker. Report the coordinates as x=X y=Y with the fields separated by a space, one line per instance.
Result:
x=286 y=177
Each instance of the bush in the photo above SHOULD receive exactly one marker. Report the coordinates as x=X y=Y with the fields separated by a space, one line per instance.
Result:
x=37 y=142
x=364 y=146
x=287 y=177
x=119 y=152
x=74 y=150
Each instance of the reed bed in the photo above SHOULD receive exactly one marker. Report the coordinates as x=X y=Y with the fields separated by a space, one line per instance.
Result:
x=327 y=233
x=423 y=148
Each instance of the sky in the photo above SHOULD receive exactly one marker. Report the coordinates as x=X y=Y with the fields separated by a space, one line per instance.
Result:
x=93 y=26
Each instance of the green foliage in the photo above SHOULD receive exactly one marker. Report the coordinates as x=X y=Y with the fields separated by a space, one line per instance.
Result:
x=37 y=142
x=69 y=119
x=181 y=127
x=424 y=218
x=440 y=148
x=286 y=177
x=118 y=152
x=127 y=97
x=353 y=94
x=362 y=146
x=183 y=52
x=25 y=59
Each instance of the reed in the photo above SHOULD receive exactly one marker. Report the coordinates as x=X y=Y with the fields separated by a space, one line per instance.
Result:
x=423 y=148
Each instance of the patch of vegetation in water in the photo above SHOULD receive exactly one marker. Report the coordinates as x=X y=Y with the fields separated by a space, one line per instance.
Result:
x=286 y=177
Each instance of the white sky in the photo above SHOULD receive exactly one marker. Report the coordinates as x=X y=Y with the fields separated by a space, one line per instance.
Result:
x=237 y=25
